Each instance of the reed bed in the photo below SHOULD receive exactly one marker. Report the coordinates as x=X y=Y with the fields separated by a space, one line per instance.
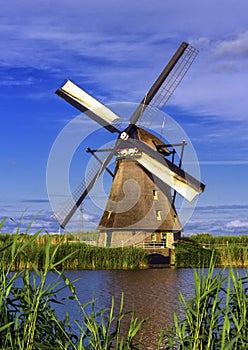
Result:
x=235 y=256
x=213 y=318
x=88 y=257
x=28 y=319
x=197 y=251
x=191 y=254
x=206 y=238
x=82 y=256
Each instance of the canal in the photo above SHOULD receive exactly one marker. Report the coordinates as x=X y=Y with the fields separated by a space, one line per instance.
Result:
x=151 y=294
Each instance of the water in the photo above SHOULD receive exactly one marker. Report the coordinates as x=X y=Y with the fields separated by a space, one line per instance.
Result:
x=152 y=294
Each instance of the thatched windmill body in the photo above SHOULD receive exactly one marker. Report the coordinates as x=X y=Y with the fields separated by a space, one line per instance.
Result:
x=140 y=205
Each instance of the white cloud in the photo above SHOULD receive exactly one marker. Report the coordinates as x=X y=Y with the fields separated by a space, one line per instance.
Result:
x=236 y=47
x=125 y=55
x=219 y=220
x=237 y=224
x=115 y=51
x=216 y=84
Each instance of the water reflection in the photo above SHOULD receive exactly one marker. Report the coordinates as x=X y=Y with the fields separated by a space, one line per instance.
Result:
x=152 y=294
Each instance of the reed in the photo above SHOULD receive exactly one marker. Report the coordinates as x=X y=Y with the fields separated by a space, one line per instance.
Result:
x=206 y=238
x=197 y=251
x=28 y=319
x=84 y=256
x=191 y=254
x=215 y=317
x=235 y=256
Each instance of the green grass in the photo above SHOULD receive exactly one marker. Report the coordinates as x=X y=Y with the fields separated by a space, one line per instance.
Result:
x=213 y=318
x=198 y=249
x=28 y=319
x=82 y=256
x=191 y=254
x=206 y=238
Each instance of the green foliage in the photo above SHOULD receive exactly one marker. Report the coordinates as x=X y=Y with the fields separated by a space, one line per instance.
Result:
x=191 y=254
x=28 y=319
x=209 y=239
x=215 y=317
x=82 y=256
x=103 y=329
x=233 y=255
x=90 y=257
x=197 y=250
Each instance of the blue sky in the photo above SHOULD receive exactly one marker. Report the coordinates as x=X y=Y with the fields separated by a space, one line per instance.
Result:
x=115 y=50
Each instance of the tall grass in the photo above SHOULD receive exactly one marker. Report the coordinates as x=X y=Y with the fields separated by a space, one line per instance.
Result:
x=28 y=319
x=82 y=256
x=197 y=251
x=215 y=317
x=236 y=256
x=191 y=254
x=225 y=240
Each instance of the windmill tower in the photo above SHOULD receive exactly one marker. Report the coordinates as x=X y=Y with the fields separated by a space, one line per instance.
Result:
x=140 y=206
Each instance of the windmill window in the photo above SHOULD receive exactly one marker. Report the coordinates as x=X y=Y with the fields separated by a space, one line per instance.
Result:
x=158 y=215
x=109 y=214
x=155 y=195
x=153 y=237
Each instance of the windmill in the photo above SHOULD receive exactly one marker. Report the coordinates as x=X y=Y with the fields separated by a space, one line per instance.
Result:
x=141 y=202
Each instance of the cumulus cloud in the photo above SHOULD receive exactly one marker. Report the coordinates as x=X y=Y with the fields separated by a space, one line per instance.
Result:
x=237 y=224
x=237 y=47
x=219 y=220
x=216 y=220
x=117 y=51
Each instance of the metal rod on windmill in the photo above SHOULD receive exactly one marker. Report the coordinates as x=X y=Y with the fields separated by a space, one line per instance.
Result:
x=140 y=156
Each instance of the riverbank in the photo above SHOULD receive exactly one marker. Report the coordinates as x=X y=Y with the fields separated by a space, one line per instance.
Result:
x=80 y=255
x=197 y=250
x=212 y=314
x=189 y=252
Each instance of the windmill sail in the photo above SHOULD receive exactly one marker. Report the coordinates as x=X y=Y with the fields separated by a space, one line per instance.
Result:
x=65 y=214
x=140 y=160
x=88 y=105
x=131 y=204
x=183 y=183
x=165 y=85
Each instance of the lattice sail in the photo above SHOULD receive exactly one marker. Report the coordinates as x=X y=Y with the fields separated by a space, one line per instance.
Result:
x=169 y=85
x=64 y=214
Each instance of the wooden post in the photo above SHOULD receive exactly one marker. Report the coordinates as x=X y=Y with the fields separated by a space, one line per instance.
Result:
x=172 y=257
